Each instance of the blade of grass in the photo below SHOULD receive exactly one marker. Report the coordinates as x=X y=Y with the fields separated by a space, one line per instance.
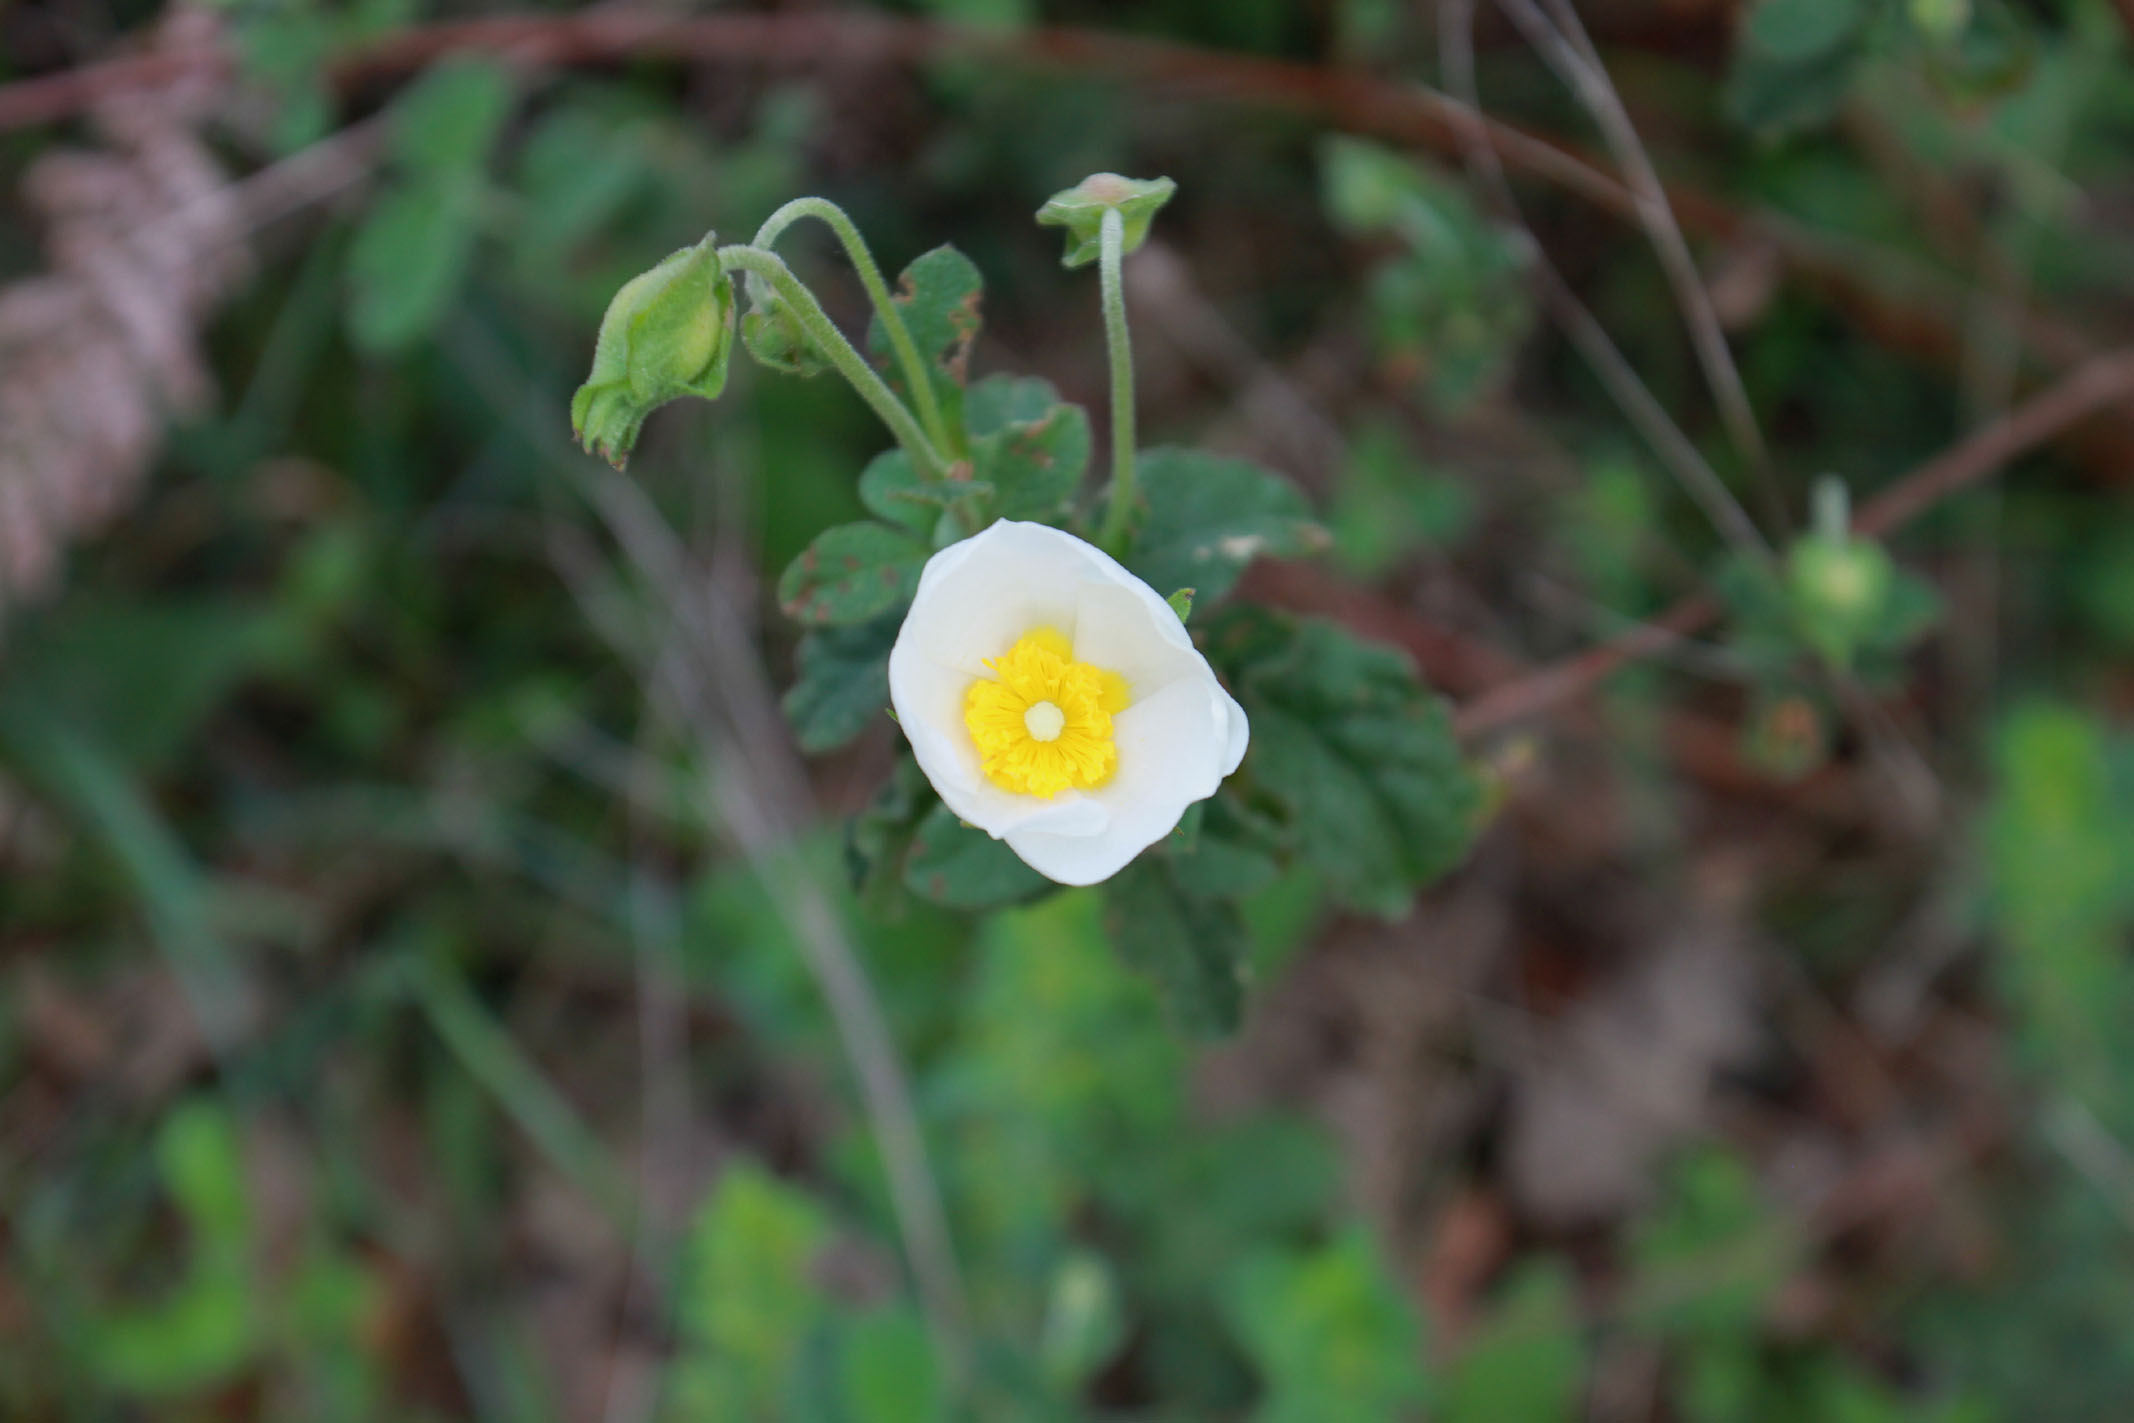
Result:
x=173 y=893
x=527 y=1097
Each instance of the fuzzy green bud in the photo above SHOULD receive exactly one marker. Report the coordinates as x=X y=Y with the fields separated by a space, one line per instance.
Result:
x=1840 y=589
x=1081 y=208
x=773 y=333
x=667 y=334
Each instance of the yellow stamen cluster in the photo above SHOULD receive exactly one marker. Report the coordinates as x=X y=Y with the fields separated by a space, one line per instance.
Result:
x=1042 y=722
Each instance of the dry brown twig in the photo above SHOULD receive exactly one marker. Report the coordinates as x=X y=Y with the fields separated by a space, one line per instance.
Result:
x=2090 y=388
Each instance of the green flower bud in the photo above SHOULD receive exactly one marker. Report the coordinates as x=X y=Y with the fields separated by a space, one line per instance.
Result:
x=1840 y=588
x=772 y=332
x=667 y=334
x=1081 y=211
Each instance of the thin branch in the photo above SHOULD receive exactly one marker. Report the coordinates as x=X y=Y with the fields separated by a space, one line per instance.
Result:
x=2090 y=389
x=1565 y=46
x=1579 y=326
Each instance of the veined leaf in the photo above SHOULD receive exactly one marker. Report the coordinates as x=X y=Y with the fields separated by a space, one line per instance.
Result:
x=962 y=867
x=1208 y=516
x=842 y=682
x=852 y=573
x=938 y=296
x=408 y=261
x=447 y=120
x=1359 y=759
x=1034 y=466
x=891 y=487
x=999 y=401
x=1193 y=948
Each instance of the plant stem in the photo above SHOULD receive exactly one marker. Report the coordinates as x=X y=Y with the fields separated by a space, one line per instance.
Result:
x=1111 y=239
x=849 y=362
x=885 y=309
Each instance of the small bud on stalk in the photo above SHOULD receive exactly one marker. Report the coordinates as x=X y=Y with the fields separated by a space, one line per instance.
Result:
x=1840 y=585
x=774 y=335
x=667 y=334
x=1081 y=208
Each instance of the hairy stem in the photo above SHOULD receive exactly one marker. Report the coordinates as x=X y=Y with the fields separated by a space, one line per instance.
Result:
x=849 y=362
x=907 y=351
x=1110 y=255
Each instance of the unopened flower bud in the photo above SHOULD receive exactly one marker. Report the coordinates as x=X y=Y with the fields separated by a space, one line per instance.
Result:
x=1081 y=208
x=771 y=330
x=1840 y=589
x=667 y=334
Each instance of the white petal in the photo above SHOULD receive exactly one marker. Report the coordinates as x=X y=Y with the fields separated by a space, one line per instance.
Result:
x=1171 y=752
x=975 y=598
x=1240 y=736
x=1130 y=631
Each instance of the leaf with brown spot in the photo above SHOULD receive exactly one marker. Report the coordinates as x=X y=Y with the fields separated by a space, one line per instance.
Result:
x=852 y=573
x=938 y=296
x=1035 y=466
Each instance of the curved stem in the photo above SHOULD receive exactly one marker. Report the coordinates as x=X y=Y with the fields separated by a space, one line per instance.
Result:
x=923 y=398
x=849 y=362
x=1111 y=243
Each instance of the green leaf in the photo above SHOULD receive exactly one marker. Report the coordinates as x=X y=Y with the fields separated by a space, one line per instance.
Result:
x=1181 y=601
x=1034 y=466
x=877 y=839
x=1775 y=97
x=576 y=172
x=891 y=487
x=207 y=1326
x=2060 y=837
x=1388 y=503
x=1193 y=948
x=1356 y=756
x=886 y=1371
x=1792 y=31
x=1366 y=187
x=852 y=573
x=999 y=401
x=408 y=261
x=447 y=121
x=841 y=683
x=1452 y=311
x=749 y=1297
x=962 y=867
x=1208 y=516
x=1527 y=1363
x=938 y=296
x=893 y=490
x=1084 y=1321
x=139 y=676
x=1220 y=868
x=1329 y=1332
x=1709 y=1259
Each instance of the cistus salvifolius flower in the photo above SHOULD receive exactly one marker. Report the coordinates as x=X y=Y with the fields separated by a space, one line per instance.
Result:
x=1056 y=702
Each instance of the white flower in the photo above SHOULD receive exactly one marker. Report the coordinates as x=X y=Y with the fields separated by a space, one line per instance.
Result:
x=1056 y=702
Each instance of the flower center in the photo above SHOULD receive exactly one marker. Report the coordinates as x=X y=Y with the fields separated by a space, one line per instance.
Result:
x=1045 y=721
x=1042 y=721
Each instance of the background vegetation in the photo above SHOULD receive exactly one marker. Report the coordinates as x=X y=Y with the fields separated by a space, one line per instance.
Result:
x=432 y=984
